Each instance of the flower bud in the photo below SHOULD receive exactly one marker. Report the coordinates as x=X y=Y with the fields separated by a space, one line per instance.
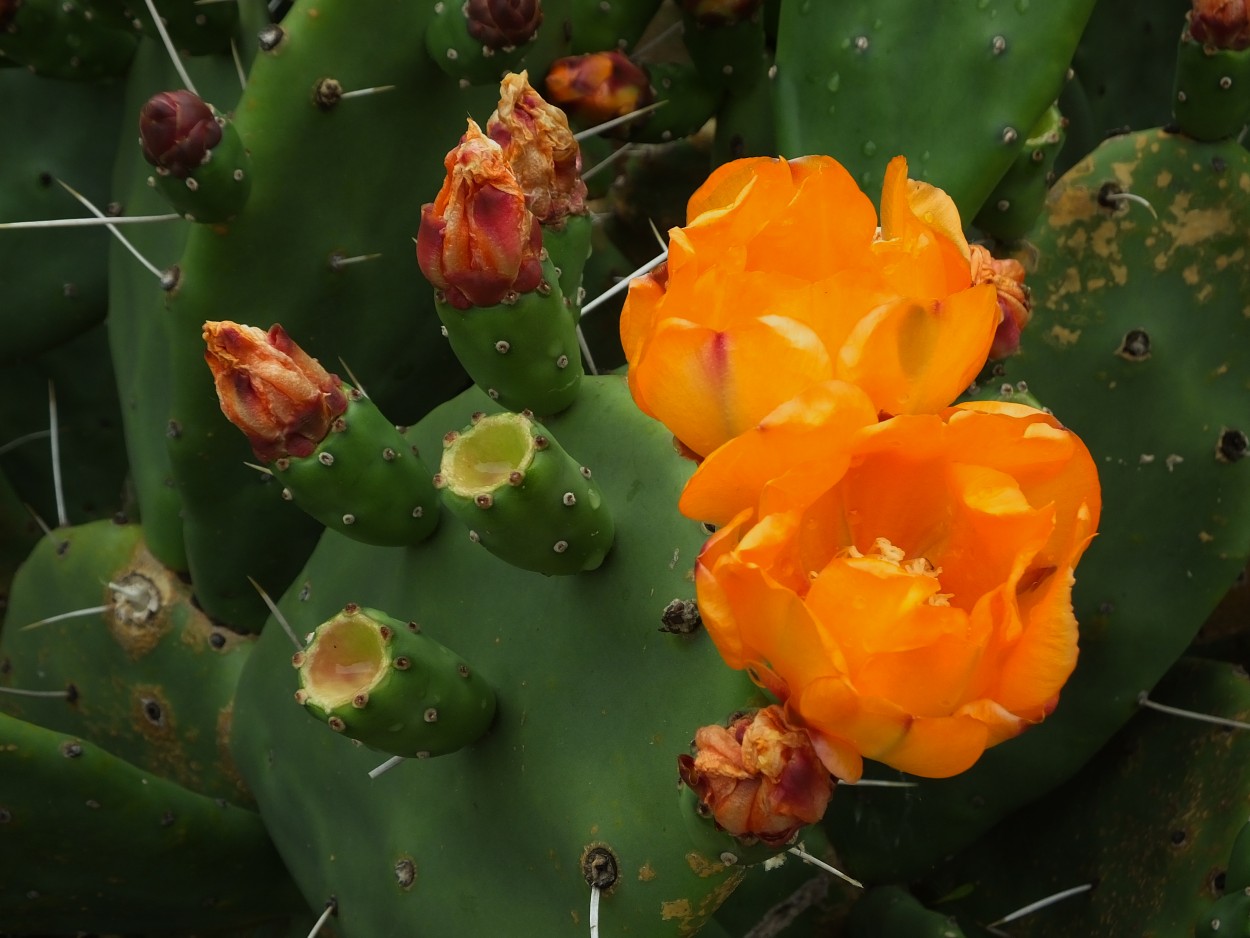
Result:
x=759 y=777
x=282 y=399
x=1220 y=24
x=177 y=130
x=720 y=12
x=598 y=87
x=540 y=147
x=8 y=12
x=499 y=24
x=477 y=241
x=1014 y=299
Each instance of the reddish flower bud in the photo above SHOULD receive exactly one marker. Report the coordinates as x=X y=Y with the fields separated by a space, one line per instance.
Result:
x=598 y=87
x=177 y=130
x=499 y=24
x=269 y=388
x=720 y=12
x=478 y=242
x=1220 y=24
x=759 y=777
x=540 y=147
x=1014 y=299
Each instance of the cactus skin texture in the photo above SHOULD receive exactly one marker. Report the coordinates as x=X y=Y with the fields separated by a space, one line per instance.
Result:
x=579 y=754
x=1155 y=413
x=111 y=813
x=1157 y=815
x=407 y=694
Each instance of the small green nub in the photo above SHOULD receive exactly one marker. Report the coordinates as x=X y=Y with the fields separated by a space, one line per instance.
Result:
x=384 y=683
x=364 y=480
x=523 y=497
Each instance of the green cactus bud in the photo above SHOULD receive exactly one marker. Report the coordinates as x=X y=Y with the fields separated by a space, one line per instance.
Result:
x=364 y=480
x=384 y=683
x=1212 y=92
x=523 y=497
x=202 y=168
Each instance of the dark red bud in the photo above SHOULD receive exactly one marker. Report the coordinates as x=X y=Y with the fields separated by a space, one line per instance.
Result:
x=8 y=12
x=501 y=23
x=1221 y=24
x=176 y=130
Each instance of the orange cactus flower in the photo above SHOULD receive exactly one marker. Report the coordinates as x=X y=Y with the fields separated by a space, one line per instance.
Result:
x=917 y=609
x=270 y=388
x=760 y=777
x=598 y=87
x=478 y=242
x=779 y=281
x=536 y=139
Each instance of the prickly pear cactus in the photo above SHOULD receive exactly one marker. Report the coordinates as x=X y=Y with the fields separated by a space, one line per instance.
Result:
x=408 y=658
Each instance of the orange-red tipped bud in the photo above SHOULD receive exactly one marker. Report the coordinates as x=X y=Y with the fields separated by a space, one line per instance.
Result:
x=1221 y=24
x=759 y=777
x=478 y=242
x=500 y=24
x=269 y=387
x=177 y=130
x=1014 y=299
x=536 y=139
x=598 y=87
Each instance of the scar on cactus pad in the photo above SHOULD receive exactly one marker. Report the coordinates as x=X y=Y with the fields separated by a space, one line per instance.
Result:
x=382 y=682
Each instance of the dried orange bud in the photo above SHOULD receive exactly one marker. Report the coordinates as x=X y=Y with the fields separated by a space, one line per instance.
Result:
x=1220 y=24
x=270 y=388
x=1014 y=299
x=478 y=242
x=759 y=777
x=538 y=143
x=598 y=87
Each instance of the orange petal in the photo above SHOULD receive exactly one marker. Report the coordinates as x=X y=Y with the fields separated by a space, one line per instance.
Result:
x=799 y=447
x=707 y=386
x=914 y=358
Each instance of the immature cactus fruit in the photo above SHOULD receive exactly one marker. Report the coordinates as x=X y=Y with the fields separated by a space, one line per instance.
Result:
x=477 y=40
x=523 y=497
x=340 y=459
x=201 y=165
x=759 y=778
x=383 y=682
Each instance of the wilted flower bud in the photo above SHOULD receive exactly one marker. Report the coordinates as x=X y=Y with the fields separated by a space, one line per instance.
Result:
x=759 y=777
x=598 y=87
x=540 y=147
x=720 y=12
x=8 y=12
x=177 y=130
x=1220 y=24
x=478 y=242
x=1014 y=299
x=269 y=388
x=499 y=24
